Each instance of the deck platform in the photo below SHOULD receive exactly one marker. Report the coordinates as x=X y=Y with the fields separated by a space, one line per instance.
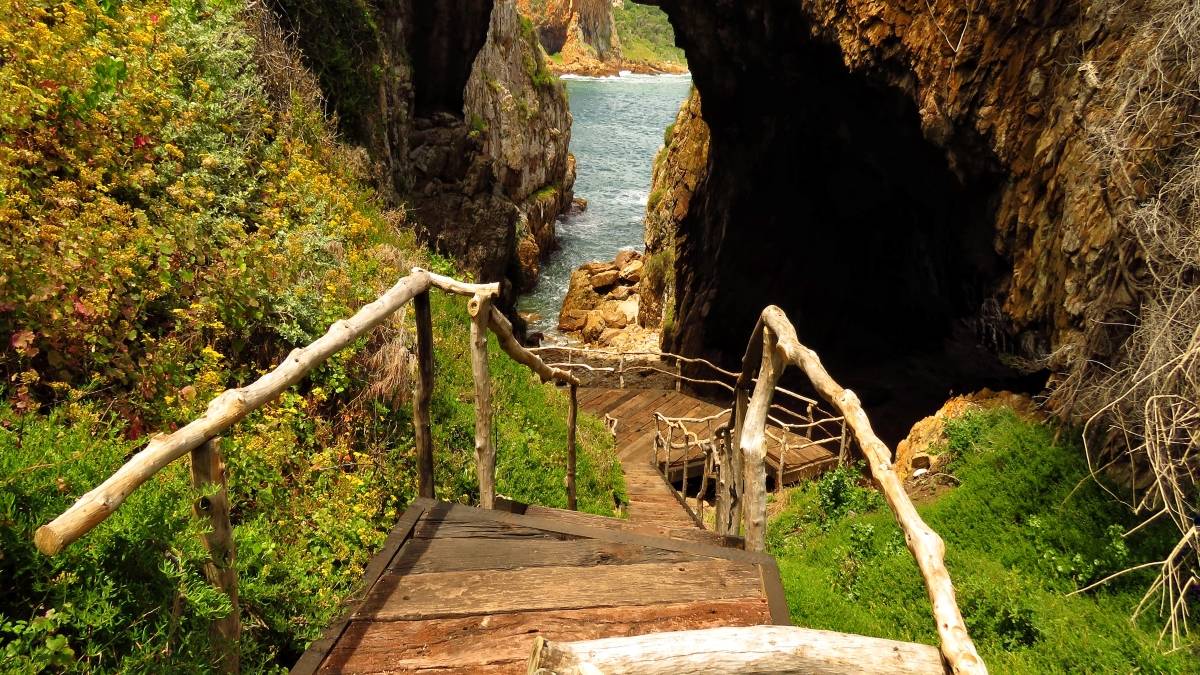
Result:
x=634 y=409
x=462 y=590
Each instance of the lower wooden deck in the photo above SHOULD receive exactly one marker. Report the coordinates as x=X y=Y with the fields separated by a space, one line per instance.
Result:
x=633 y=412
x=462 y=590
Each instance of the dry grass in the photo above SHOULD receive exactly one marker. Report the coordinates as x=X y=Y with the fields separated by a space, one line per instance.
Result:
x=1143 y=411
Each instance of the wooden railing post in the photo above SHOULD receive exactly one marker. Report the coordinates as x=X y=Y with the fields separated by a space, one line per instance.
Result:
x=485 y=453
x=752 y=443
x=421 y=423
x=208 y=470
x=572 y=416
x=726 y=511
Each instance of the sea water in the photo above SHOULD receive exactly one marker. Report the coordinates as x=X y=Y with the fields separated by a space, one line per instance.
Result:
x=618 y=128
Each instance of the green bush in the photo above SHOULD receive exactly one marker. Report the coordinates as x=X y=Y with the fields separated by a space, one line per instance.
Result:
x=172 y=234
x=1026 y=526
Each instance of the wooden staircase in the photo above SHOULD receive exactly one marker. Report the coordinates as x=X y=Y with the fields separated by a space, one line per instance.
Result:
x=464 y=590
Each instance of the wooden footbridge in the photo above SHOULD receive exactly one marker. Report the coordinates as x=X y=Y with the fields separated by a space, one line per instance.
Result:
x=510 y=588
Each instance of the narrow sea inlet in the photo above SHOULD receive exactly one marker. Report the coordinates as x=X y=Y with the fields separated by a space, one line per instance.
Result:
x=619 y=125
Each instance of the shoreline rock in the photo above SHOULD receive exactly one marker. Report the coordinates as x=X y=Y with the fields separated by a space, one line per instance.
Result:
x=602 y=304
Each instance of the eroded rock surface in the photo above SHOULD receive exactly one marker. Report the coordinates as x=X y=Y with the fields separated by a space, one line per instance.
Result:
x=910 y=181
x=466 y=125
x=678 y=169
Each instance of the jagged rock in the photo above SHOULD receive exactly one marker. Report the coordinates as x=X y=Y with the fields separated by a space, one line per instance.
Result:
x=572 y=320
x=613 y=316
x=624 y=257
x=605 y=279
x=678 y=169
x=593 y=327
x=632 y=272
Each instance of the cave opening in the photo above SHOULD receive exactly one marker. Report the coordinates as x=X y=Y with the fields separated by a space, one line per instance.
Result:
x=824 y=197
x=443 y=40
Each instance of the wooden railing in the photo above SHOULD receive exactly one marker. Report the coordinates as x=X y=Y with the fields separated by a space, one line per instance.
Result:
x=199 y=436
x=773 y=347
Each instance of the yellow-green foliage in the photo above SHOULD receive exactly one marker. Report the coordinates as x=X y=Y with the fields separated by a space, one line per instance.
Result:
x=169 y=233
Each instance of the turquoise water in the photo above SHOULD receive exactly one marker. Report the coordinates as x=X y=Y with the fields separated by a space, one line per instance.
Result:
x=618 y=127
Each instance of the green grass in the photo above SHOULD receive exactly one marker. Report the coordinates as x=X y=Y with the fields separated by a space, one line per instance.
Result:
x=1026 y=527
x=646 y=35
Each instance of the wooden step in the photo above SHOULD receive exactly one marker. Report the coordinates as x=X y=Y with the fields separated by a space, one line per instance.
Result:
x=685 y=530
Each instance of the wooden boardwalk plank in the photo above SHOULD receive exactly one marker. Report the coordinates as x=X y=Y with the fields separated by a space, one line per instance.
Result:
x=448 y=594
x=452 y=555
x=501 y=643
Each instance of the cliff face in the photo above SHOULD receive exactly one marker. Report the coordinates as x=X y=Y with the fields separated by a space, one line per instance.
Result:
x=910 y=181
x=583 y=32
x=467 y=126
x=679 y=168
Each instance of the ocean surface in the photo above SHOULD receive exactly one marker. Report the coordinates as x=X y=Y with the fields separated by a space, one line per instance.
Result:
x=618 y=127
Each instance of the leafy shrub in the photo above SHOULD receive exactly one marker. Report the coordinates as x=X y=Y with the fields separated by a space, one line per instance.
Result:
x=840 y=493
x=172 y=234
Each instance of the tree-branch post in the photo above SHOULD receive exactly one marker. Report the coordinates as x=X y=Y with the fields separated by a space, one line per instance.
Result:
x=572 y=416
x=208 y=470
x=421 y=423
x=485 y=453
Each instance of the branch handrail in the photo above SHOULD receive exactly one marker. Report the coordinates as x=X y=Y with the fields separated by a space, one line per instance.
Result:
x=232 y=405
x=661 y=355
x=229 y=407
x=773 y=346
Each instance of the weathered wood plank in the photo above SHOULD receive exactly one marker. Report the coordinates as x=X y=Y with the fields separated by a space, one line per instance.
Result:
x=501 y=642
x=451 y=555
x=445 y=527
x=447 y=594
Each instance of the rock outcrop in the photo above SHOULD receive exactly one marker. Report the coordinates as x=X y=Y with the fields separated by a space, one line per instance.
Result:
x=582 y=36
x=581 y=32
x=679 y=168
x=910 y=181
x=467 y=126
x=601 y=305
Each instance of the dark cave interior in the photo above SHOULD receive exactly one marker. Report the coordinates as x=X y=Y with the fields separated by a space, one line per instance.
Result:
x=825 y=198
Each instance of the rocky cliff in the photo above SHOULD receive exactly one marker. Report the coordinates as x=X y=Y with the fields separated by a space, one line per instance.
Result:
x=581 y=32
x=467 y=126
x=913 y=182
x=679 y=168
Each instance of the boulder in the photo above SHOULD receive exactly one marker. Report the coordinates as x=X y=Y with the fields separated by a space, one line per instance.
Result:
x=608 y=336
x=593 y=327
x=613 y=316
x=594 y=267
x=624 y=257
x=632 y=272
x=604 y=280
x=572 y=320
x=620 y=292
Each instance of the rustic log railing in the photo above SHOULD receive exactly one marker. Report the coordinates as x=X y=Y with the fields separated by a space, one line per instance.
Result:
x=198 y=436
x=740 y=447
x=774 y=346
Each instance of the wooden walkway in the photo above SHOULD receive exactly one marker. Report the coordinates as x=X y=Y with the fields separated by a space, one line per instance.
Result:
x=463 y=590
x=634 y=411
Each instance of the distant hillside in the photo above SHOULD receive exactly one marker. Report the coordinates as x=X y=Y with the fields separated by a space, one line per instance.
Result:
x=646 y=36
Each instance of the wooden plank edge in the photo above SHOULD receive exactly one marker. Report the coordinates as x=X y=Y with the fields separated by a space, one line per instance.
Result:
x=614 y=536
x=772 y=582
x=312 y=658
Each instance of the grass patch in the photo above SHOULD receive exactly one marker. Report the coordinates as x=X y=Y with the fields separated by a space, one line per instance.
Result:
x=1026 y=527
